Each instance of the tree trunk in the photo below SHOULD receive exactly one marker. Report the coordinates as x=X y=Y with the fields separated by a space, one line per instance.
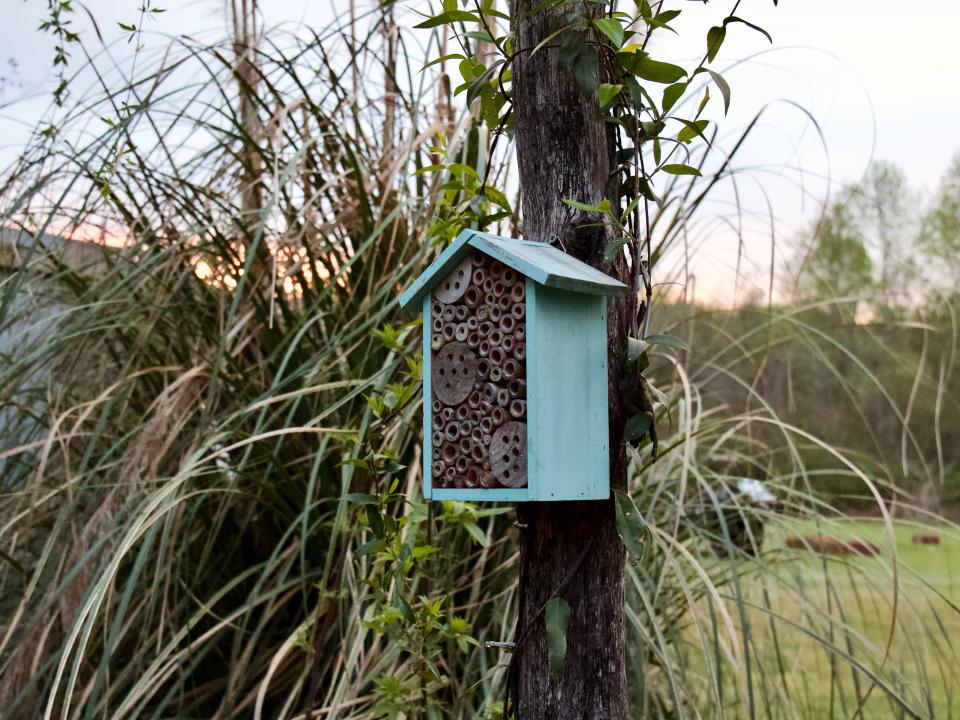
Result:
x=569 y=549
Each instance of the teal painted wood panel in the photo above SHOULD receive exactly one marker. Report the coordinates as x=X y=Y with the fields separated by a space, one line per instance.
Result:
x=567 y=420
x=481 y=494
x=538 y=261
x=547 y=265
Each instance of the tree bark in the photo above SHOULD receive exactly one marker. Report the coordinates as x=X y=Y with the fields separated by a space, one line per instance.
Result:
x=569 y=549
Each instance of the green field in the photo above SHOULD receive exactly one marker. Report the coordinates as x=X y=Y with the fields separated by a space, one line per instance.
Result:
x=813 y=619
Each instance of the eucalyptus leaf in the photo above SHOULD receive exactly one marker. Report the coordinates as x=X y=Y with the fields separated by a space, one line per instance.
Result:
x=446 y=18
x=612 y=28
x=630 y=525
x=680 y=169
x=671 y=94
x=715 y=37
x=607 y=92
x=724 y=89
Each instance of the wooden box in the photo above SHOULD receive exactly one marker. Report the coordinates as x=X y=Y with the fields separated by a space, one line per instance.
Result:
x=514 y=372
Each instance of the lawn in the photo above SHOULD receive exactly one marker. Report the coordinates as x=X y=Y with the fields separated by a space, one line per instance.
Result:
x=814 y=619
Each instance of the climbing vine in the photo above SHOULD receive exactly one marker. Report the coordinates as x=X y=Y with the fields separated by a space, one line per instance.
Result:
x=638 y=95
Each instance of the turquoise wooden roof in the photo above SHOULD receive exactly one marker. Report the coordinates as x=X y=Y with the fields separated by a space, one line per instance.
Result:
x=542 y=263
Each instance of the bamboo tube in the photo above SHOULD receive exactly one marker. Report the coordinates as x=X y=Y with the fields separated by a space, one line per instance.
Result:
x=437 y=407
x=473 y=340
x=505 y=303
x=437 y=324
x=517 y=293
x=495 y=313
x=477 y=435
x=496 y=373
x=450 y=475
x=437 y=438
x=483 y=312
x=483 y=348
x=465 y=444
x=508 y=343
x=503 y=397
x=518 y=311
x=509 y=276
x=437 y=469
x=473 y=477
x=435 y=454
x=517 y=388
x=495 y=338
x=451 y=430
x=473 y=400
x=449 y=313
x=499 y=289
x=472 y=323
x=488 y=284
x=476 y=452
x=507 y=324
x=486 y=425
x=496 y=269
x=490 y=392
x=518 y=408
x=436 y=342
x=479 y=275
x=449 y=330
x=449 y=453
x=485 y=328
x=461 y=412
x=461 y=332
x=462 y=465
x=498 y=415
x=437 y=308
x=483 y=369
x=448 y=414
x=461 y=312
x=509 y=368
x=520 y=351
x=472 y=296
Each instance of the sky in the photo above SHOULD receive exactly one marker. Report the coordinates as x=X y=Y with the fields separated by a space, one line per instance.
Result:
x=844 y=81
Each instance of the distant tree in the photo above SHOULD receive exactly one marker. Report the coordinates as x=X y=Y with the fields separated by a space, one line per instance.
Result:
x=837 y=264
x=882 y=207
x=940 y=229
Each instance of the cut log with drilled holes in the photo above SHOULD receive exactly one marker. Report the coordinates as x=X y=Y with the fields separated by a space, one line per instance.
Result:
x=478 y=350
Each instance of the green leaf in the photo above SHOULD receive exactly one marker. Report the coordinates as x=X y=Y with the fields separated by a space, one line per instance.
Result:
x=672 y=94
x=692 y=129
x=446 y=18
x=602 y=207
x=656 y=150
x=734 y=19
x=556 y=616
x=656 y=71
x=637 y=427
x=612 y=28
x=129 y=27
x=630 y=524
x=715 y=36
x=607 y=92
x=724 y=89
x=476 y=533
x=613 y=247
x=443 y=58
x=680 y=169
x=635 y=348
x=375 y=521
